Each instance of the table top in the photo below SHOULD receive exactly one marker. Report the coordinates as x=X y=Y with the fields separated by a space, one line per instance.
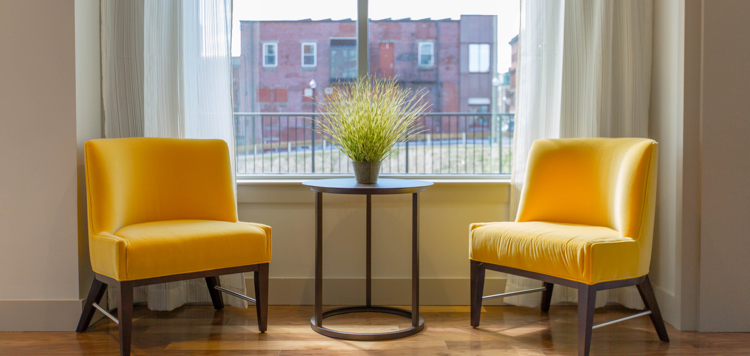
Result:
x=383 y=186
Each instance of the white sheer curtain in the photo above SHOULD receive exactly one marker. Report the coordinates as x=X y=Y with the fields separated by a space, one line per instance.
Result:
x=167 y=72
x=584 y=71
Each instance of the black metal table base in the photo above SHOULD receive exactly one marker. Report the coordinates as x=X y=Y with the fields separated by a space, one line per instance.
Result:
x=367 y=336
x=384 y=186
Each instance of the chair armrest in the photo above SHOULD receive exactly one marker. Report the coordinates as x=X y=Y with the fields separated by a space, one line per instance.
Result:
x=107 y=254
x=267 y=230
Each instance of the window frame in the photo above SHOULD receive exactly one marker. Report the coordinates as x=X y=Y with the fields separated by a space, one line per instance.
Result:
x=479 y=60
x=332 y=47
x=362 y=52
x=432 y=54
x=264 y=51
x=314 y=54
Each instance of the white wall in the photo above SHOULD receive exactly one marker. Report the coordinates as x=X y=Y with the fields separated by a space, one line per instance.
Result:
x=688 y=243
x=88 y=116
x=38 y=181
x=725 y=168
x=674 y=123
x=447 y=209
x=665 y=126
x=699 y=113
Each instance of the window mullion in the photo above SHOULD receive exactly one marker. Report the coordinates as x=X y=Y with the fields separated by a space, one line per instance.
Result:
x=363 y=46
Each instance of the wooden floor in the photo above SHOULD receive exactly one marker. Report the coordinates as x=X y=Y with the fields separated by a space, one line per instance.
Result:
x=199 y=330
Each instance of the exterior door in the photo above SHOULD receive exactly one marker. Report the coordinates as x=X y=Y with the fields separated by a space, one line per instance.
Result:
x=386 y=59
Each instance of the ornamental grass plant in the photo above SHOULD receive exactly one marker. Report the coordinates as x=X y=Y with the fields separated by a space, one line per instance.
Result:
x=366 y=118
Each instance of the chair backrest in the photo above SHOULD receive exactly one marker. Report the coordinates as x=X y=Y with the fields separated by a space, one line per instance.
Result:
x=608 y=182
x=137 y=180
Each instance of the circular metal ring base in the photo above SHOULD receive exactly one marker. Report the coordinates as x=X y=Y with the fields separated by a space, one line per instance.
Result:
x=367 y=336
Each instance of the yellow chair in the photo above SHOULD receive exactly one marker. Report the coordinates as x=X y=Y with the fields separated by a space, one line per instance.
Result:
x=164 y=210
x=585 y=220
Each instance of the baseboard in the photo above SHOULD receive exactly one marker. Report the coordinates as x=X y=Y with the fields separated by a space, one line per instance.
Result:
x=385 y=291
x=40 y=315
x=669 y=307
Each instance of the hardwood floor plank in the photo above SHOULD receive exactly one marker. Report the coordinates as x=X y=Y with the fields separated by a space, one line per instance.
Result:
x=338 y=345
x=504 y=331
x=415 y=353
x=440 y=308
x=294 y=330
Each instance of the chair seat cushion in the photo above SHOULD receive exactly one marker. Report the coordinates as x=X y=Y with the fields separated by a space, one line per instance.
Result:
x=588 y=254
x=163 y=248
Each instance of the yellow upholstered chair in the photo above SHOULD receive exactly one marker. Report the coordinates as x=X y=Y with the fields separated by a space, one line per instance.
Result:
x=163 y=210
x=585 y=220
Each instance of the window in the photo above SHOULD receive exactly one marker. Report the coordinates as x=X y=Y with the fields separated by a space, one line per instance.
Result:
x=456 y=55
x=343 y=59
x=270 y=55
x=480 y=121
x=479 y=58
x=426 y=54
x=309 y=54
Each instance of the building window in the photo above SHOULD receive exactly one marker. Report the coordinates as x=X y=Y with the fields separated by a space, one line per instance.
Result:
x=426 y=54
x=270 y=54
x=479 y=58
x=309 y=54
x=483 y=119
x=343 y=59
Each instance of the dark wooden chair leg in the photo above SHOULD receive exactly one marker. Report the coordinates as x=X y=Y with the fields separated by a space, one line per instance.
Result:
x=261 y=296
x=547 y=297
x=647 y=294
x=212 y=282
x=125 y=316
x=586 y=306
x=477 y=290
x=96 y=292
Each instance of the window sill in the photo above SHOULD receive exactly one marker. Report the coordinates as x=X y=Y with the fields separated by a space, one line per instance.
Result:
x=266 y=180
x=446 y=190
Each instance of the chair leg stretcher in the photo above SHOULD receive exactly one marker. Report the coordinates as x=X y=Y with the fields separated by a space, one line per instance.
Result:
x=238 y=295
x=647 y=312
x=106 y=313
x=510 y=294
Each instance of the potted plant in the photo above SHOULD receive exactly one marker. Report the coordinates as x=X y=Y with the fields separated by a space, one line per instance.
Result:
x=366 y=118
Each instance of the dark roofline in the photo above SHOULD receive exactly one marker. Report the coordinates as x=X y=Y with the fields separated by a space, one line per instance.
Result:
x=408 y=19
x=303 y=20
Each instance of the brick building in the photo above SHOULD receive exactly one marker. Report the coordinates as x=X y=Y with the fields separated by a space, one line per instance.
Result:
x=453 y=60
x=430 y=54
x=512 y=74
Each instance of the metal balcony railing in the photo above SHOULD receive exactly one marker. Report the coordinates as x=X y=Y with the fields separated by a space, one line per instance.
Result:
x=451 y=144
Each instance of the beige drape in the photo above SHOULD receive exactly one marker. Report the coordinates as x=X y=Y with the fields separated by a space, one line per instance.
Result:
x=167 y=72
x=584 y=71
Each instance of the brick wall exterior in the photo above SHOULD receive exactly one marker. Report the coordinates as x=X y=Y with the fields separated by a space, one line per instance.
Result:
x=398 y=38
x=393 y=52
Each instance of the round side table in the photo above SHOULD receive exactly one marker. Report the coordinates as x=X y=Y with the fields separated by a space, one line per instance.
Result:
x=383 y=186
